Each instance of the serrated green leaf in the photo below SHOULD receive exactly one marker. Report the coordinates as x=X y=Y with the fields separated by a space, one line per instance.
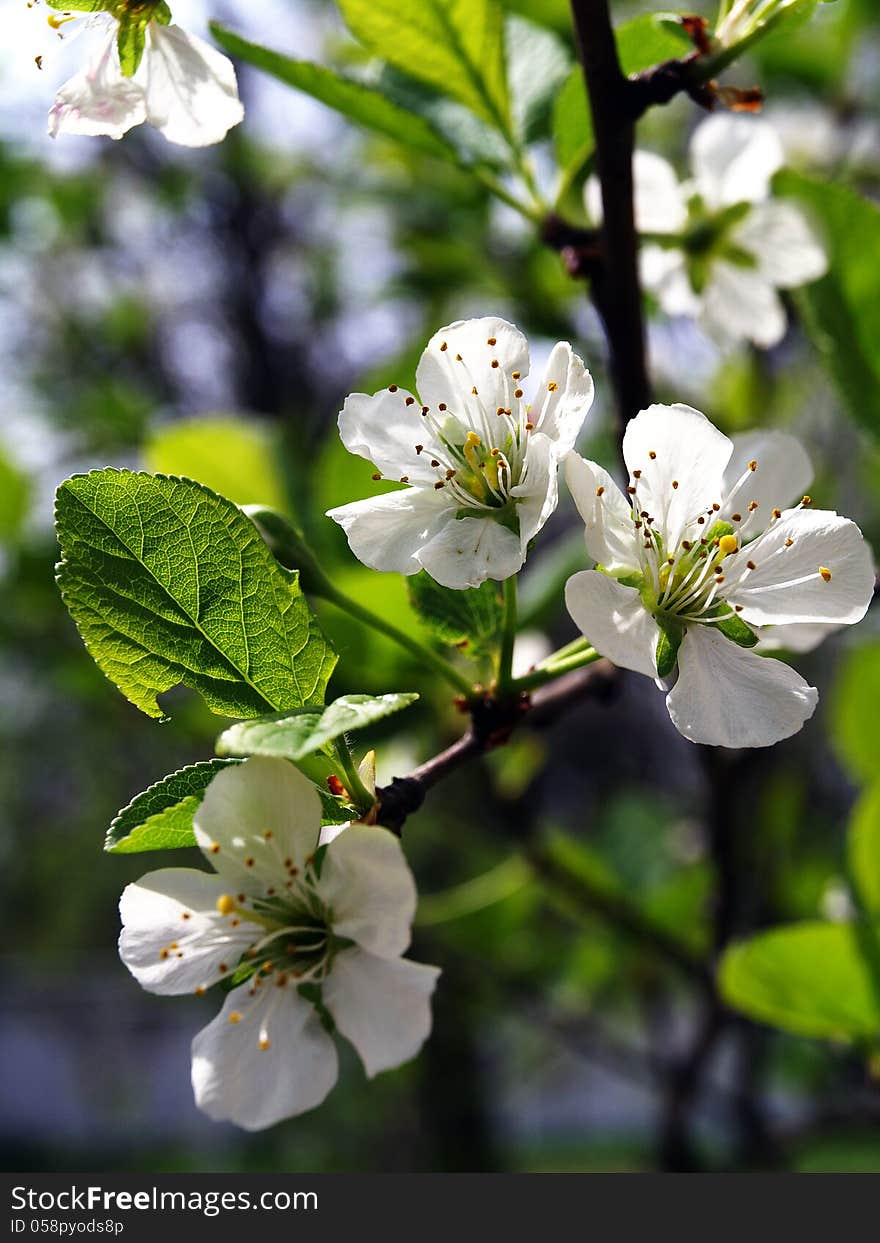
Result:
x=160 y=818
x=470 y=619
x=234 y=457
x=457 y=46
x=364 y=103
x=169 y=583
x=295 y=737
x=864 y=848
x=842 y=309
x=810 y=978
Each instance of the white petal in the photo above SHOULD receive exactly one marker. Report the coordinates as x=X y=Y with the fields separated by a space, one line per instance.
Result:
x=798 y=637
x=369 y=889
x=786 y=585
x=467 y=551
x=99 y=100
x=537 y=493
x=383 y=1007
x=614 y=620
x=608 y=523
x=682 y=458
x=733 y=158
x=783 y=474
x=563 y=399
x=235 y=1079
x=189 y=87
x=658 y=200
x=727 y=696
x=387 y=532
x=260 y=813
x=739 y=304
x=665 y=273
x=449 y=375
x=173 y=939
x=788 y=252
x=386 y=430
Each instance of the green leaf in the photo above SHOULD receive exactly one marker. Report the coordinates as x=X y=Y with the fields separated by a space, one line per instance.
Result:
x=810 y=978
x=842 y=309
x=573 y=139
x=864 y=848
x=359 y=101
x=457 y=46
x=14 y=498
x=297 y=736
x=538 y=63
x=131 y=39
x=470 y=618
x=235 y=458
x=854 y=711
x=161 y=817
x=169 y=583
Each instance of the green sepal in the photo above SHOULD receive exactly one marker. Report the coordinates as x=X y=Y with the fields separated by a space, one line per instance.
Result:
x=668 y=642
x=735 y=629
x=717 y=531
x=81 y=6
x=131 y=39
x=162 y=14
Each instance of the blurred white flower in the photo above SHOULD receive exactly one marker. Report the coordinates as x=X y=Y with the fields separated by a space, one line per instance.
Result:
x=165 y=77
x=697 y=563
x=278 y=918
x=717 y=247
x=738 y=19
x=480 y=459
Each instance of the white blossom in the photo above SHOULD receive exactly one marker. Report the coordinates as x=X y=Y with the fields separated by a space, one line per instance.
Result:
x=698 y=562
x=182 y=86
x=338 y=920
x=478 y=456
x=718 y=247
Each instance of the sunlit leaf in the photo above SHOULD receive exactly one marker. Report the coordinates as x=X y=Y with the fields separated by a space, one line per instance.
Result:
x=295 y=737
x=160 y=818
x=236 y=458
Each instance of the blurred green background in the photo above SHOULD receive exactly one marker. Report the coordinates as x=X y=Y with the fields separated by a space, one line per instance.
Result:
x=206 y=313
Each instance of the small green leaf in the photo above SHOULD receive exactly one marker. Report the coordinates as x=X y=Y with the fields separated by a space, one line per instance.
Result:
x=366 y=104
x=457 y=46
x=735 y=629
x=160 y=818
x=668 y=642
x=469 y=619
x=811 y=978
x=234 y=457
x=864 y=848
x=297 y=736
x=169 y=583
x=131 y=39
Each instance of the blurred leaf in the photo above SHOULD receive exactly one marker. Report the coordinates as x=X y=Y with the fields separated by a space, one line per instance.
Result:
x=572 y=126
x=553 y=13
x=160 y=818
x=455 y=45
x=854 y=711
x=14 y=496
x=169 y=583
x=842 y=310
x=297 y=736
x=361 y=102
x=864 y=848
x=469 y=619
x=237 y=459
x=499 y=883
x=811 y=978
x=538 y=63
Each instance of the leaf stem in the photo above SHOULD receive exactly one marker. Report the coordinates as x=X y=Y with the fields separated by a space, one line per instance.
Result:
x=363 y=797
x=549 y=672
x=508 y=636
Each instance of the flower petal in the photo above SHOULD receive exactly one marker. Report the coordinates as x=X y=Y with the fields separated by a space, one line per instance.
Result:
x=733 y=158
x=797 y=637
x=665 y=273
x=387 y=532
x=387 y=429
x=537 y=493
x=658 y=200
x=682 y=458
x=450 y=374
x=564 y=397
x=739 y=304
x=467 y=551
x=779 y=236
x=382 y=1006
x=825 y=574
x=173 y=939
x=782 y=475
x=264 y=1057
x=727 y=696
x=189 y=87
x=99 y=99
x=259 y=814
x=614 y=619
x=369 y=889
x=608 y=523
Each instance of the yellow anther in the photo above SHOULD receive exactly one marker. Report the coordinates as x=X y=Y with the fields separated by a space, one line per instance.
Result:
x=727 y=545
x=225 y=904
x=235 y=1016
x=825 y=572
x=264 y=1043
x=56 y=21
